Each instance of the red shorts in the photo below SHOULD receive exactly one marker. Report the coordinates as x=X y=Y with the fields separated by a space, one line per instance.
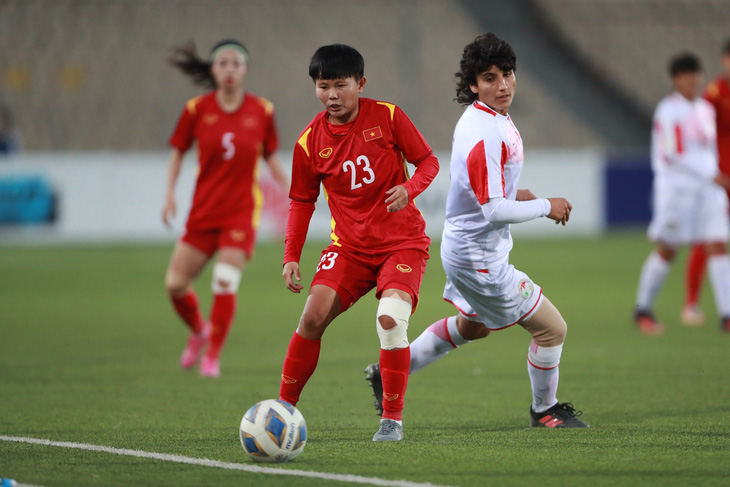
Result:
x=210 y=240
x=353 y=275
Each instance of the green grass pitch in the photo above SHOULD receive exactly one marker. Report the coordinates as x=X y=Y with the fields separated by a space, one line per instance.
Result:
x=89 y=350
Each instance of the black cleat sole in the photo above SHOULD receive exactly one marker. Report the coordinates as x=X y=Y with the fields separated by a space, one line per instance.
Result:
x=372 y=375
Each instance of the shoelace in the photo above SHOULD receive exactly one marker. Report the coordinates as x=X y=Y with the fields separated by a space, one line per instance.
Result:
x=568 y=407
x=388 y=427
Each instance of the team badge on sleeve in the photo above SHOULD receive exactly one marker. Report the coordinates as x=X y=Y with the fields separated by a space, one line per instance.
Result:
x=525 y=287
x=404 y=268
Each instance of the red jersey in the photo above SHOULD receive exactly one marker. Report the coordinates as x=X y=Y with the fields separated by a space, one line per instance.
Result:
x=229 y=148
x=718 y=93
x=357 y=163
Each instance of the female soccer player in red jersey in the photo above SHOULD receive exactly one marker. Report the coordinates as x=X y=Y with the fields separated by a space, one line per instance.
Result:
x=718 y=94
x=233 y=129
x=356 y=148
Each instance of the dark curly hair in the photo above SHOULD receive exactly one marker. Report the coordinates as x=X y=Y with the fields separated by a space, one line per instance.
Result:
x=187 y=60
x=486 y=51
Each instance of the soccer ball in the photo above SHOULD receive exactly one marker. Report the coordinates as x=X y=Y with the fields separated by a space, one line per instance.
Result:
x=273 y=431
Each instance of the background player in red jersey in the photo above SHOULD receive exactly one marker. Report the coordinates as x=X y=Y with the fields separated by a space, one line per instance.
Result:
x=357 y=148
x=234 y=129
x=717 y=93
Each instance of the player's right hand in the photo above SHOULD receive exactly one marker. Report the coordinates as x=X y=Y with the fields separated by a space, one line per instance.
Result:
x=291 y=272
x=559 y=210
x=169 y=211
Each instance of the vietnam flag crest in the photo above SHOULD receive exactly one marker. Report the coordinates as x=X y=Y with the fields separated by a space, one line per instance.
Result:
x=372 y=134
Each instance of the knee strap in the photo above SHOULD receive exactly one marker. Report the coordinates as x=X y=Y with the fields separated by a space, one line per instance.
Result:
x=226 y=278
x=544 y=357
x=400 y=312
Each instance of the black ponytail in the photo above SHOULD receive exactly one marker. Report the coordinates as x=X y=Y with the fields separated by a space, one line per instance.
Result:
x=187 y=60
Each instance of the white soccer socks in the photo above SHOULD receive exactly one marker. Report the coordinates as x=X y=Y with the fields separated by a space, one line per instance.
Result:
x=542 y=366
x=653 y=273
x=718 y=268
x=436 y=341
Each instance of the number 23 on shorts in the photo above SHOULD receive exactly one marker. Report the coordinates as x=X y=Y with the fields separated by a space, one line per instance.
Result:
x=327 y=261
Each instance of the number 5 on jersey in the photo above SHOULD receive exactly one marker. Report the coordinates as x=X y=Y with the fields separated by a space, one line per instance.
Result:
x=327 y=261
x=228 y=146
x=349 y=166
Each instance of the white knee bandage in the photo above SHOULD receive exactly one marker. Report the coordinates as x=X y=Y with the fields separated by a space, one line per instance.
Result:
x=544 y=357
x=226 y=278
x=399 y=311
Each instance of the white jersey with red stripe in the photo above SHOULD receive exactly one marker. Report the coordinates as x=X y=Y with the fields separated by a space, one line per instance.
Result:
x=684 y=144
x=689 y=207
x=486 y=162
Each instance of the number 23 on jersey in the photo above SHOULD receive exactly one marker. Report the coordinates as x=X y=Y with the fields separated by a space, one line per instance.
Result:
x=360 y=172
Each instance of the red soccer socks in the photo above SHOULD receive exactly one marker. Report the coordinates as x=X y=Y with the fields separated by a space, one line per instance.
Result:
x=394 y=369
x=187 y=307
x=221 y=318
x=299 y=364
x=696 y=264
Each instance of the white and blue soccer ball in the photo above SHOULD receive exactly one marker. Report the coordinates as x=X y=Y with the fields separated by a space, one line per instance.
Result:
x=273 y=431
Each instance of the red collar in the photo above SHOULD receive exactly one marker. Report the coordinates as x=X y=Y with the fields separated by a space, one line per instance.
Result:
x=484 y=108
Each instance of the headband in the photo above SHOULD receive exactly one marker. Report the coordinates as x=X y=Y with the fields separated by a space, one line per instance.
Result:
x=225 y=47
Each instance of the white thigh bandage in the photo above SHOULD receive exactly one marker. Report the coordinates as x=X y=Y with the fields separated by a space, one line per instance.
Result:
x=399 y=311
x=226 y=278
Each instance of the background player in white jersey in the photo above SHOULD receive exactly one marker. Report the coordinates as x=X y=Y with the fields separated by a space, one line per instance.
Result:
x=483 y=200
x=690 y=205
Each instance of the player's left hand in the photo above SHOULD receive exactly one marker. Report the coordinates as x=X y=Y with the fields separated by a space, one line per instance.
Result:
x=525 y=195
x=398 y=198
x=291 y=272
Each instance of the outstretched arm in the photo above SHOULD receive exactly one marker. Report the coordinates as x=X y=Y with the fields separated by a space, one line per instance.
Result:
x=502 y=210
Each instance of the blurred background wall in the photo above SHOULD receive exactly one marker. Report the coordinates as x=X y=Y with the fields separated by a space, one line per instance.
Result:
x=87 y=81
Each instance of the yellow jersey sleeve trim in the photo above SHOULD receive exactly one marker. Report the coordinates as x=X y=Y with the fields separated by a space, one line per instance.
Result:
x=303 y=141
x=192 y=104
x=268 y=106
x=713 y=90
x=390 y=106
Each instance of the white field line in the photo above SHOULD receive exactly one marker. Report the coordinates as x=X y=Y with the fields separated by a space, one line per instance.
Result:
x=355 y=479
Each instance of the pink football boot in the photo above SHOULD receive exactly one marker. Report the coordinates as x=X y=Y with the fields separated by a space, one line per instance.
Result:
x=209 y=367
x=196 y=343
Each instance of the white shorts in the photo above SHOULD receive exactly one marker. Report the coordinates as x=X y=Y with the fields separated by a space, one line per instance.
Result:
x=499 y=298
x=690 y=216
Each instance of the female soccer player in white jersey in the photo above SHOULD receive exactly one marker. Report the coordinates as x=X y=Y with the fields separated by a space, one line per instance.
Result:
x=690 y=204
x=483 y=200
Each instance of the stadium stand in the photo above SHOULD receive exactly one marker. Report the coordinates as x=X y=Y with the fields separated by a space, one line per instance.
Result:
x=84 y=75
x=630 y=41
x=90 y=75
